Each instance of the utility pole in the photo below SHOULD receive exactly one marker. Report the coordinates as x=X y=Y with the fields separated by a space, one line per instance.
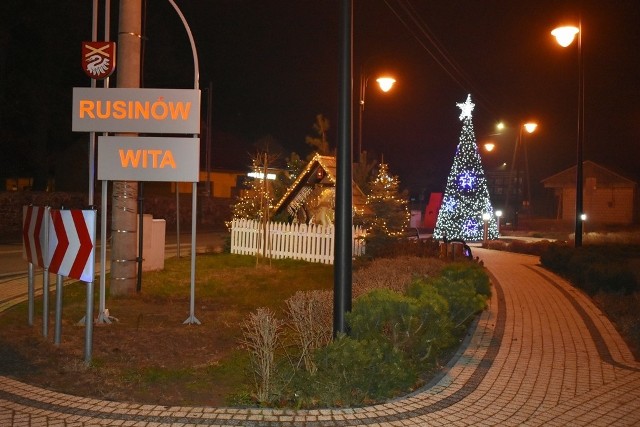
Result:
x=124 y=196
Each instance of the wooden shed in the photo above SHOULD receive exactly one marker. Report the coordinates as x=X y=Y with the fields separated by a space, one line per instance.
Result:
x=311 y=197
x=608 y=198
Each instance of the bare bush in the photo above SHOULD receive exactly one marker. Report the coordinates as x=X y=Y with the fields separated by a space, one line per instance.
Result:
x=261 y=336
x=310 y=317
x=393 y=273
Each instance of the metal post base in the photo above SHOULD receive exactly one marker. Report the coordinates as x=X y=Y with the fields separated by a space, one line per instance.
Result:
x=105 y=318
x=191 y=320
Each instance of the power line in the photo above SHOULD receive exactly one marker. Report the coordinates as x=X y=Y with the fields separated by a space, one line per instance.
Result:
x=406 y=13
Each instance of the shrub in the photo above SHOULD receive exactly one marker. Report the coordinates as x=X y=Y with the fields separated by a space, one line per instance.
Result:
x=395 y=333
x=419 y=325
x=625 y=311
x=594 y=268
x=261 y=336
x=470 y=273
x=608 y=277
x=557 y=257
x=393 y=273
x=460 y=295
x=381 y=246
x=355 y=372
x=309 y=317
x=530 y=248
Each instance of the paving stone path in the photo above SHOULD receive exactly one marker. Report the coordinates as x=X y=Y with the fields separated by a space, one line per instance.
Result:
x=542 y=354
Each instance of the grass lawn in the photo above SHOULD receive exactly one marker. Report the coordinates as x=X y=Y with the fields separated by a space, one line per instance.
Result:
x=149 y=355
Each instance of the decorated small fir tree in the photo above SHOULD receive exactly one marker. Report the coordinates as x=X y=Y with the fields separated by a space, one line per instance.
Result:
x=254 y=202
x=389 y=214
x=466 y=196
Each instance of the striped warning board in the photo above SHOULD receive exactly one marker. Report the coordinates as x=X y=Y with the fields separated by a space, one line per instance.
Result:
x=72 y=243
x=34 y=235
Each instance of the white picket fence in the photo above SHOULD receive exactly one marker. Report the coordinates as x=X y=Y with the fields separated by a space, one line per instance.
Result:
x=313 y=243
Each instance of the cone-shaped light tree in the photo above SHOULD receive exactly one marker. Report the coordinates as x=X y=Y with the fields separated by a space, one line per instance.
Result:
x=390 y=214
x=466 y=205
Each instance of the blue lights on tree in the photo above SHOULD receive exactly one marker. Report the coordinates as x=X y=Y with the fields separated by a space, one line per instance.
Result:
x=466 y=180
x=466 y=196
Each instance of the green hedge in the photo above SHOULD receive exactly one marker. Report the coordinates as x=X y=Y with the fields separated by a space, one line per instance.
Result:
x=594 y=268
x=394 y=339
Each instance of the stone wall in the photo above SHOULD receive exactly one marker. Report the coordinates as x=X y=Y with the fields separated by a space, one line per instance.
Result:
x=212 y=212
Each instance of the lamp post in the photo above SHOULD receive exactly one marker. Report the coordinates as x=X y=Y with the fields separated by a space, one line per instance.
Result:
x=485 y=220
x=565 y=37
x=385 y=83
x=529 y=127
x=498 y=216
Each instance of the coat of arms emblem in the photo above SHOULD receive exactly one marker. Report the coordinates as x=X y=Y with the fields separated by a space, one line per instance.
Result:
x=98 y=59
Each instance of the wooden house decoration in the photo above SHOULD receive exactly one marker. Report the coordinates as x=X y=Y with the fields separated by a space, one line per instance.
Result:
x=608 y=198
x=311 y=197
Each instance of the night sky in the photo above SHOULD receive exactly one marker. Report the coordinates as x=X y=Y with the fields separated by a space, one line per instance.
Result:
x=273 y=65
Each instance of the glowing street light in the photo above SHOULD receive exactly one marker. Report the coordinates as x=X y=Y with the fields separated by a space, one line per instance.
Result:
x=385 y=83
x=528 y=127
x=489 y=146
x=498 y=215
x=565 y=36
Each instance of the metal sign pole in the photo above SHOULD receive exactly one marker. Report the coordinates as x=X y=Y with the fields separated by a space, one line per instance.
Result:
x=192 y=319
x=58 y=325
x=103 y=313
x=92 y=135
x=196 y=76
x=88 y=331
x=30 y=293
x=45 y=274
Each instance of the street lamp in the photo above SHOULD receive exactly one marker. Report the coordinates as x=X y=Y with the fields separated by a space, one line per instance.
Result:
x=498 y=215
x=565 y=37
x=529 y=127
x=485 y=220
x=489 y=146
x=385 y=83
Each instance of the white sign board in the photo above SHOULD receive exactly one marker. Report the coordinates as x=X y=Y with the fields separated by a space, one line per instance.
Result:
x=133 y=158
x=136 y=110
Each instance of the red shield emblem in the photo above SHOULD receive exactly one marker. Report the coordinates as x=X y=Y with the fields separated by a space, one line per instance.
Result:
x=98 y=59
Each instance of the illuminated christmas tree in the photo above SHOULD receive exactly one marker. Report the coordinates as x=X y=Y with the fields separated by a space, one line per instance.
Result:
x=466 y=196
x=254 y=202
x=389 y=207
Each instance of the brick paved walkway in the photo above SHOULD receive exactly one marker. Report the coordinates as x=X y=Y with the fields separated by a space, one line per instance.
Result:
x=542 y=354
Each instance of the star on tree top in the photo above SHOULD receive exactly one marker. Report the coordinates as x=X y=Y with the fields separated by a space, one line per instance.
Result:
x=466 y=108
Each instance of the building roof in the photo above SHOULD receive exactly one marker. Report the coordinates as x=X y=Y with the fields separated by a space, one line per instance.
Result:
x=320 y=170
x=604 y=177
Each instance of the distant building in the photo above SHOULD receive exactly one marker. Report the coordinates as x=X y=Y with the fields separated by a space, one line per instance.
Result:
x=223 y=184
x=18 y=184
x=506 y=189
x=608 y=198
x=431 y=212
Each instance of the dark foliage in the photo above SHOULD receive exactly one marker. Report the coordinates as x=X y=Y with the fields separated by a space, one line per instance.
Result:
x=594 y=268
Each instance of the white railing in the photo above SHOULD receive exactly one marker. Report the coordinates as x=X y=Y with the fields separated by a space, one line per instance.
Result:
x=313 y=243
